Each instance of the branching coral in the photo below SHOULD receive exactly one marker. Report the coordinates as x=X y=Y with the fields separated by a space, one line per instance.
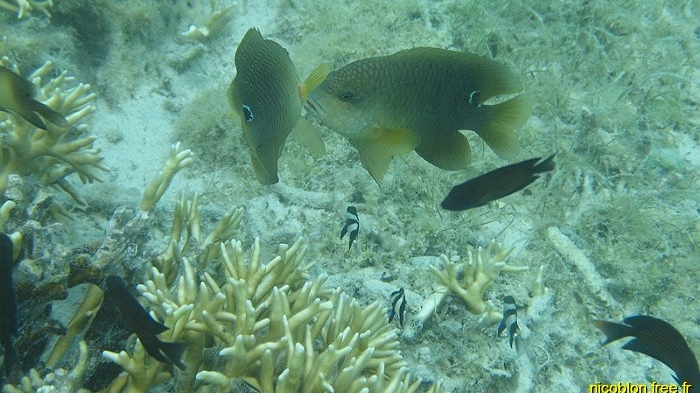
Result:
x=479 y=270
x=54 y=153
x=60 y=380
x=274 y=328
x=216 y=19
x=25 y=7
x=177 y=160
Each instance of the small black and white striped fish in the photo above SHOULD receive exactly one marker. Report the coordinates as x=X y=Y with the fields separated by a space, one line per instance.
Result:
x=352 y=225
x=510 y=319
x=398 y=298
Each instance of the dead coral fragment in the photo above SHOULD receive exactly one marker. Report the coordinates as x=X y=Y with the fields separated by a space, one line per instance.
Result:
x=25 y=7
x=56 y=152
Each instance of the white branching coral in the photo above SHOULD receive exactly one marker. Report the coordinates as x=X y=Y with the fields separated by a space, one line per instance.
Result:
x=273 y=327
x=25 y=7
x=478 y=272
x=56 y=152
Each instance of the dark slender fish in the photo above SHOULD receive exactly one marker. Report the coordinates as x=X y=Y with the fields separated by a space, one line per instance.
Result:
x=140 y=322
x=9 y=320
x=17 y=96
x=656 y=338
x=510 y=319
x=352 y=225
x=496 y=184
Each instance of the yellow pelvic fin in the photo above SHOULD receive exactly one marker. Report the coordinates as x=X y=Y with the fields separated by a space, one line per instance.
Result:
x=306 y=134
x=384 y=143
x=315 y=78
x=451 y=151
x=497 y=123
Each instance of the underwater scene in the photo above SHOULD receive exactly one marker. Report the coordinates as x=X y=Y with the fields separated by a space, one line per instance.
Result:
x=349 y=196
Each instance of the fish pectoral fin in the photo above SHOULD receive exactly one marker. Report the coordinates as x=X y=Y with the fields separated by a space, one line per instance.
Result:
x=315 y=78
x=384 y=143
x=306 y=134
x=451 y=151
x=496 y=124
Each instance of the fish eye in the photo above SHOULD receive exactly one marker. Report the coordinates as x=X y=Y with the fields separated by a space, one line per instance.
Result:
x=247 y=114
x=346 y=96
x=475 y=98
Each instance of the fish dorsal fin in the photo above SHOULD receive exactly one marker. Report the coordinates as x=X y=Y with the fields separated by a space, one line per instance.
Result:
x=315 y=78
x=496 y=125
x=449 y=151
x=384 y=143
x=306 y=134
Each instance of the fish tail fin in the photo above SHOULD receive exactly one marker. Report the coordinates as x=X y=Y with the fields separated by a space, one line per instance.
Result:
x=173 y=352
x=315 y=78
x=49 y=114
x=546 y=165
x=613 y=331
x=496 y=124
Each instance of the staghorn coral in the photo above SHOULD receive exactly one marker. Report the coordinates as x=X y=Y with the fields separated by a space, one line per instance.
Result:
x=25 y=7
x=55 y=153
x=215 y=21
x=273 y=327
x=177 y=160
x=59 y=380
x=479 y=270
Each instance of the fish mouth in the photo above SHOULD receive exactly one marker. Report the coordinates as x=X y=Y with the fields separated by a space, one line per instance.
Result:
x=314 y=107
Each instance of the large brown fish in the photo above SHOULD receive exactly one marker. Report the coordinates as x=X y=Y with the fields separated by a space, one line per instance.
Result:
x=267 y=96
x=418 y=99
x=17 y=96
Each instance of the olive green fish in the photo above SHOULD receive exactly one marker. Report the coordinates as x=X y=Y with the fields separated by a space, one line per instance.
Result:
x=267 y=96
x=418 y=99
x=17 y=96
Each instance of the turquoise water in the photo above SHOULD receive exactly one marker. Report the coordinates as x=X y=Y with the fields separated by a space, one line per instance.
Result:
x=615 y=225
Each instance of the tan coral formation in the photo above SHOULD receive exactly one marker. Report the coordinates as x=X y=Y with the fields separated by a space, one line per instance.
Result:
x=273 y=326
x=25 y=7
x=478 y=272
x=54 y=153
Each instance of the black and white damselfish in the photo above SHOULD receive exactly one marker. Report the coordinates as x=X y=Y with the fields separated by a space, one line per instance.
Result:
x=352 y=225
x=510 y=320
x=496 y=184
